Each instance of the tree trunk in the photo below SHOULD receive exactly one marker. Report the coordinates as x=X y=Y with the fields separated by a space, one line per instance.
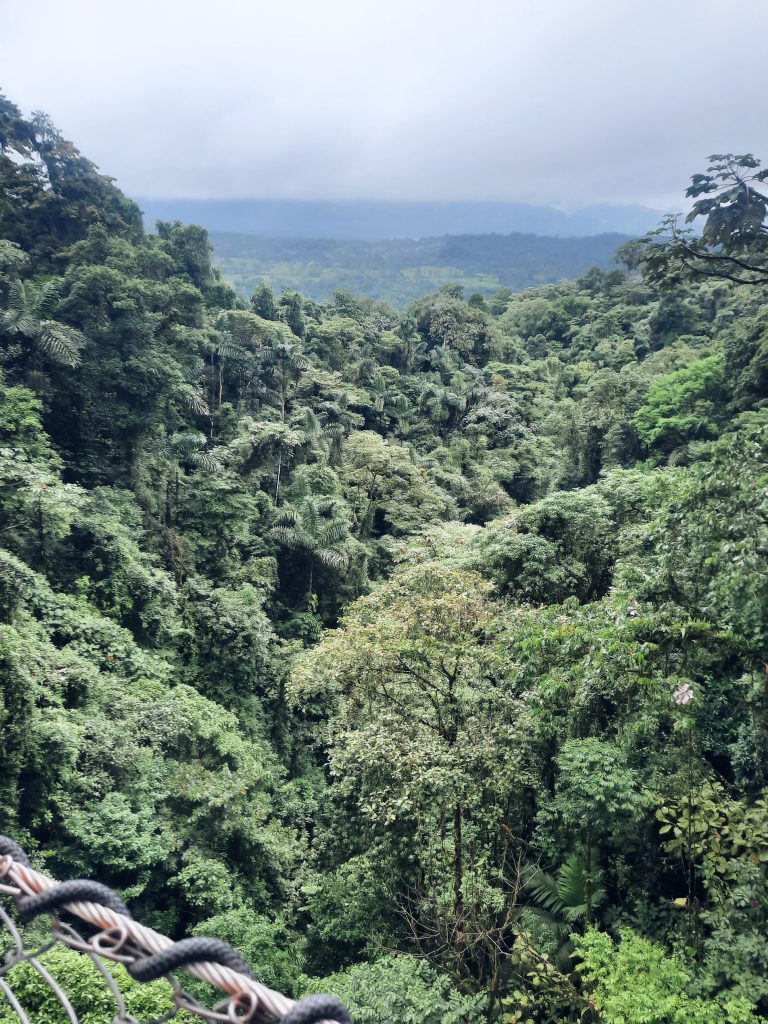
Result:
x=493 y=989
x=458 y=865
x=279 y=471
x=173 y=511
x=162 y=508
x=211 y=398
x=41 y=532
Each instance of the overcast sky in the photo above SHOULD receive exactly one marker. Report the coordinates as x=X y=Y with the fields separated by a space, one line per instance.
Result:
x=567 y=101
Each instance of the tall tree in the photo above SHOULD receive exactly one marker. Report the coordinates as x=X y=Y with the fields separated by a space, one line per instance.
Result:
x=424 y=744
x=314 y=528
x=733 y=244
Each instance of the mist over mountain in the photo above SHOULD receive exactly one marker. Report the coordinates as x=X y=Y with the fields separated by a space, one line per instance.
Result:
x=372 y=220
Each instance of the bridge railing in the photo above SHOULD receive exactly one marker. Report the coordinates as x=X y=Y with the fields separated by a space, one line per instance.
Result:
x=106 y=932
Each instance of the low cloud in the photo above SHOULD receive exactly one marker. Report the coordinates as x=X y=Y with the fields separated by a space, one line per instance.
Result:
x=559 y=101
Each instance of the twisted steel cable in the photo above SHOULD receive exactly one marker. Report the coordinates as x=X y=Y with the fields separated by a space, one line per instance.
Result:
x=149 y=954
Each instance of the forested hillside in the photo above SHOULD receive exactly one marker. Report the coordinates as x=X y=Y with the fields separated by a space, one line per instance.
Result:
x=400 y=271
x=421 y=655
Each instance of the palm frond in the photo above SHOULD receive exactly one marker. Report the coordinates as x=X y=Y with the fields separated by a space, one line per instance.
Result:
x=16 y=296
x=331 y=535
x=192 y=399
x=309 y=516
x=572 y=887
x=22 y=323
x=192 y=373
x=300 y=486
x=331 y=557
x=17 y=318
x=207 y=460
x=290 y=537
x=60 y=342
x=229 y=349
x=266 y=393
x=564 y=895
x=184 y=444
x=285 y=518
x=572 y=881
x=680 y=456
x=159 y=448
x=562 y=956
x=544 y=890
x=311 y=423
x=43 y=299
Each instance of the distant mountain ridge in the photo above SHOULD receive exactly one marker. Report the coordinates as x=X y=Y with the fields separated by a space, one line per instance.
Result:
x=400 y=270
x=373 y=220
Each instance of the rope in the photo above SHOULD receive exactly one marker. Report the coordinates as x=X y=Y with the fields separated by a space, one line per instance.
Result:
x=315 y=1009
x=68 y=892
x=149 y=954
x=188 y=951
x=8 y=848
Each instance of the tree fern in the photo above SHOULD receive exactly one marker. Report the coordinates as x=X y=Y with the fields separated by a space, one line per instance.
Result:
x=59 y=342
x=29 y=311
x=192 y=448
x=43 y=299
x=184 y=443
x=207 y=460
x=19 y=316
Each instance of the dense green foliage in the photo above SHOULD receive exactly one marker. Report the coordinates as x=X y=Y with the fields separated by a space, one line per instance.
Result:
x=400 y=270
x=732 y=244
x=86 y=990
x=421 y=655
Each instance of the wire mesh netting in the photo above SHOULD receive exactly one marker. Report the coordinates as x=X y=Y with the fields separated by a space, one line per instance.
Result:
x=92 y=963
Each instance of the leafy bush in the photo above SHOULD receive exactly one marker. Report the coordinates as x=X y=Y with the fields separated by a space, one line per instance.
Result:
x=402 y=989
x=86 y=990
x=635 y=982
